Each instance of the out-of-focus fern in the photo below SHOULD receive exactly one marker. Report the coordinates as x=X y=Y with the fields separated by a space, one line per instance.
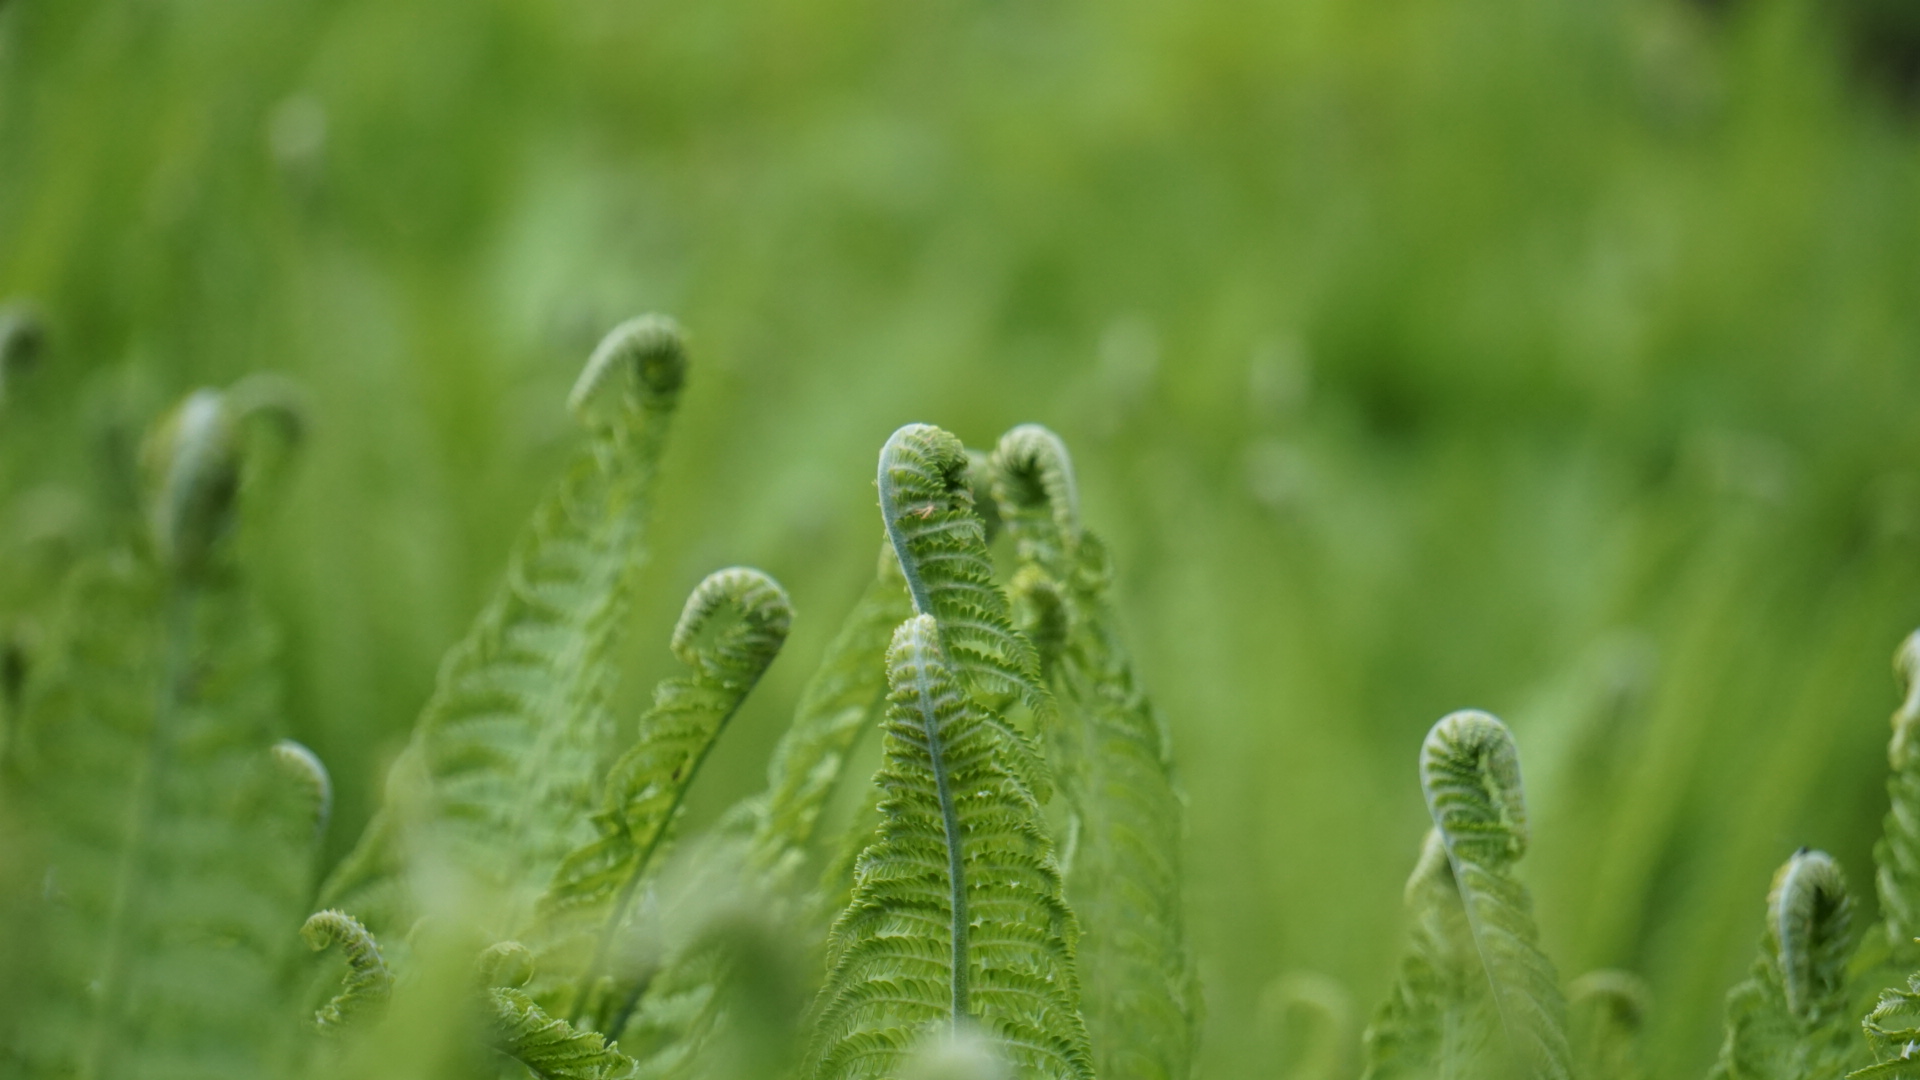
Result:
x=1893 y=1034
x=498 y=780
x=1606 y=1012
x=957 y=914
x=1112 y=757
x=524 y=1032
x=1439 y=1019
x=1897 y=855
x=368 y=983
x=170 y=854
x=592 y=895
x=1789 y=1019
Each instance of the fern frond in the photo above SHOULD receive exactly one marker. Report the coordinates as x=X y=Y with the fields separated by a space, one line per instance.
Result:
x=1897 y=855
x=1439 y=1019
x=307 y=777
x=498 y=779
x=169 y=858
x=1606 y=1012
x=957 y=910
x=1308 y=1023
x=1788 y=1019
x=521 y=1030
x=926 y=499
x=1893 y=1034
x=595 y=885
x=368 y=984
x=1112 y=758
x=1470 y=773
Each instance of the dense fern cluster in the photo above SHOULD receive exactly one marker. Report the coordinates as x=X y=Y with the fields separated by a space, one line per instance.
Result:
x=529 y=902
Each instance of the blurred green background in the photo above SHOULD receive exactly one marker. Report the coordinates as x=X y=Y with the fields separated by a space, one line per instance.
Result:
x=1557 y=358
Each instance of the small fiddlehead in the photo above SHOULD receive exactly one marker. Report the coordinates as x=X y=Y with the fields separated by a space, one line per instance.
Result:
x=642 y=794
x=1788 y=1018
x=1111 y=754
x=521 y=1030
x=1607 y=1011
x=1897 y=855
x=369 y=984
x=1470 y=773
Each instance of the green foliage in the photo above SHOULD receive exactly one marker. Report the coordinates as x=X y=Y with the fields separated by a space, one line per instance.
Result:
x=368 y=983
x=593 y=892
x=167 y=848
x=1113 y=758
x=1475 y=991
x=497 y=782
x=1897 y=856
x=957 y=912
x=1788 y=1019
x=1607 y=1013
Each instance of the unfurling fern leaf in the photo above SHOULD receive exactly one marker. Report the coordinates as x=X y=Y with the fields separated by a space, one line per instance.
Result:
x=1112 y=758
x=926 y=500
x=368 y=984
x=169 y=858
x=521 y=1030
x=957 y=914
x=1898 y=852
x=592 y=895
x=765 y=838
x=498 y=780
x=1470 y=772
x=1788 y=1019
x=1606 y=1012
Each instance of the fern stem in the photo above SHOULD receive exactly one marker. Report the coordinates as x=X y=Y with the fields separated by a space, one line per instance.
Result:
x=950 y=824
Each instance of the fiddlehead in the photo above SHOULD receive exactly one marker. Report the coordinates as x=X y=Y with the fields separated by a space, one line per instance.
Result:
x=927 y=503
x=596 y=884
x=957 y=913
x=308 y=775
x=1897 y=855
x=1470 y=773
x=1606 y=1012
x=499 y=778
x=1788 y=1019
x=521 y=1030
x=1111 y=754
x=369 y=984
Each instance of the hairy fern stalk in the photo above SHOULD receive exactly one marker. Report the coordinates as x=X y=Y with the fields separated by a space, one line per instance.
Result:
x=530 y=901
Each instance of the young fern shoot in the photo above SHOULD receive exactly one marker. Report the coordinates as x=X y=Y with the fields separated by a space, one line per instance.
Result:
x=593 y=892
x=1897 y=855
x=957 y=914
x=1789 y=1018
x=497 y=782
x=1112 y=757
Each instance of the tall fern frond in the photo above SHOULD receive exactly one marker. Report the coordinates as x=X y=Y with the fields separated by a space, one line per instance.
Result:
x=592 y=894
x=169 y=856
x=498 y=779
x=957 y=914
x=1897 y=855
x=764 y=840
x=368 y=983
x=1607 y=1011
x=1470 y=773
x=1112 y=758
x=926 y=500
x=1788 y=1018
